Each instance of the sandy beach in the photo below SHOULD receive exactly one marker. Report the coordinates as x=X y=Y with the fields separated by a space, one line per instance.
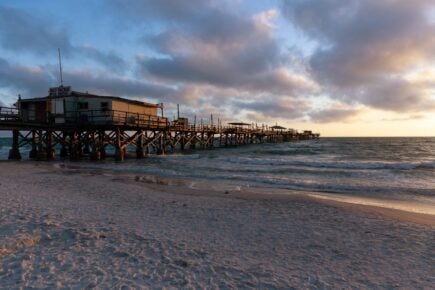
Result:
x=65 y=226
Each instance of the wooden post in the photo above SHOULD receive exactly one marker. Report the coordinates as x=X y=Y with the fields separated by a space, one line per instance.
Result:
x=14 y=153
x=86 y=145
x=49 y=144
x=73 y=150
x=147 y=149
x=178 y=111
x=161 y=149
x=42 y=152
x=101 y=145
x=95 y=154
x=33 y=152
x=211 y=140
x=139 y=147
x=193 y=137
x=173 y=141
x=119 y=152
x=63 y=150
x=182 y=140
x=76 y=145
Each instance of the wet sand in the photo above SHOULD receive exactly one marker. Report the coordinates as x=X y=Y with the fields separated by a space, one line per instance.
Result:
x=64 y=226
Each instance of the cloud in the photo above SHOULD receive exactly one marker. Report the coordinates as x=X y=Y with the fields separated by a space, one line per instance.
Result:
x=101 y=83
x=333 y=115
x=398 y=95
x=366 y=49
x=187 y=95
x=207 y=43
x=266 y=108
x=24 y=80
x=35 y=81
x=140 y=10
x=220 y=58
x=406 y=118
x=108 y=59
x=205 y=54
x=21 y=31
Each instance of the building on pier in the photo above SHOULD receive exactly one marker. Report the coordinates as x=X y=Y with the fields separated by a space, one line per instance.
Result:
x=180 y=123
x=278 y=128
x=239 y=126
x=64 y=105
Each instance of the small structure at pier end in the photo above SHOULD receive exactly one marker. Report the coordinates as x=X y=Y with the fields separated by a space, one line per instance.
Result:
x=76 y=124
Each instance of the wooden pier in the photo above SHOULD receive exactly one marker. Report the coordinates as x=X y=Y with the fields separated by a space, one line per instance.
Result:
x=74 y=125
x=126 y=132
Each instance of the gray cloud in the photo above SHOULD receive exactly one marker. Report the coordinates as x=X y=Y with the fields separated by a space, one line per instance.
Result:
x=219 y=58
x=333 y=115
x=407 y=118
x=210 y=21
x=24 y=32
x=108 y=59
x=34 y=82
x=208 y=54
x=139 y=10
x=262 y=109
x=27 y=81
x=207 y=43
x=366 y=48
x=398 y=95
x=109 y=85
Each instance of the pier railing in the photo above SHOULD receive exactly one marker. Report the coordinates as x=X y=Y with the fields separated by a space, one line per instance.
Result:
x=126 y=119
x=8 y=114
x=108 y=119
x=111 y=117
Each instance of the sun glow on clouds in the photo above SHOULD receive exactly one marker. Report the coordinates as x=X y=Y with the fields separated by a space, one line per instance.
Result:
x=266 y=19
x=359 y=67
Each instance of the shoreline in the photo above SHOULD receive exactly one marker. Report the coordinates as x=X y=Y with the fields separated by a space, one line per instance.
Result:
x=63 y=226
x=197 y=188
x=388 y=213
x=215 y=188
x=258 y=193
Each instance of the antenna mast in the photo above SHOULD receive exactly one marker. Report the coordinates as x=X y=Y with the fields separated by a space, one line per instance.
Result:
x=60 y=68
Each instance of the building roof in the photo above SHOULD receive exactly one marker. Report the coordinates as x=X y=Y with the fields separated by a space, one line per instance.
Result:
x=278 y=127
x=239 y=124
x=88 y=95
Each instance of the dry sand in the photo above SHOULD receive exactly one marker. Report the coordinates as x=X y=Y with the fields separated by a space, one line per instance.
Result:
x=63 y=226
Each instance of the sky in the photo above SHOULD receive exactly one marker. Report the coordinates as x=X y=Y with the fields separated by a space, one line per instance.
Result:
x=341 y=68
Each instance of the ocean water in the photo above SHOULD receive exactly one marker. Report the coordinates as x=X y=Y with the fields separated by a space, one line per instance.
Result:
x=382 y=168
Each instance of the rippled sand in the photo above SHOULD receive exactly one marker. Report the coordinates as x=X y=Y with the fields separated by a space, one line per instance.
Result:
x=63 y=226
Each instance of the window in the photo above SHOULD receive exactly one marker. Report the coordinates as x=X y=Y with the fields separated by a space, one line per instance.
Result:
x=104 y=106
x=82 y=105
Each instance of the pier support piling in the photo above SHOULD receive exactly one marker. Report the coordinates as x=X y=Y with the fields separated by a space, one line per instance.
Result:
x=14 y=153
x=139 y=147
x=33 y=152
x=90 y=141
x=119 y=151
x=63 y=150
